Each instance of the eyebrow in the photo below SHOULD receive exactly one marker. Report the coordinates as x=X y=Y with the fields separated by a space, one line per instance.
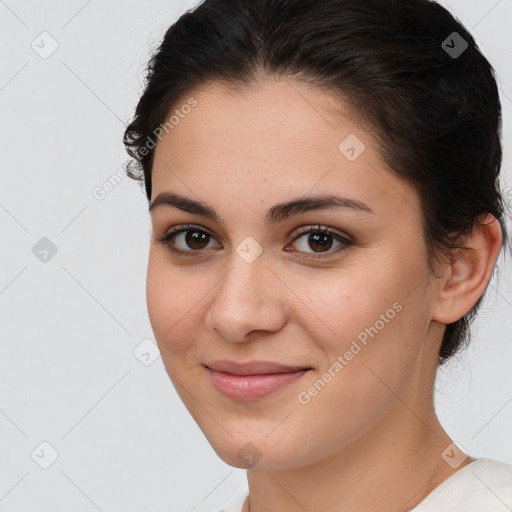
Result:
x=277 y=213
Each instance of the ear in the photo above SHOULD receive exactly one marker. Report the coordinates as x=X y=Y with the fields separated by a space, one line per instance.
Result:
x=465 y=278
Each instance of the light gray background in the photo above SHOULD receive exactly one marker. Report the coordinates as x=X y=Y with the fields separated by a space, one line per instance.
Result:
x=69 y=326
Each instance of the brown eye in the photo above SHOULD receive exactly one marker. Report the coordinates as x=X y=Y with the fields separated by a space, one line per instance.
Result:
x=190 y=240
x=196 y=239
x=186 y=239
x=320 y=240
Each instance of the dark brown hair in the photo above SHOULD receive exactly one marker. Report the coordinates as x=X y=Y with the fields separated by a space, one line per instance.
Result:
x=409 y=70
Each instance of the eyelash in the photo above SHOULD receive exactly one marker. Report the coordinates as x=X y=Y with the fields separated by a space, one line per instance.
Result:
x=175 y=230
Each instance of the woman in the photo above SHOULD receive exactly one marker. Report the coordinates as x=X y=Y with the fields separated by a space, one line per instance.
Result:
x=323 y=186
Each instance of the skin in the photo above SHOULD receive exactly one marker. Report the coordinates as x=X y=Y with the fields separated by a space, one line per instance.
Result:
x=370 y=439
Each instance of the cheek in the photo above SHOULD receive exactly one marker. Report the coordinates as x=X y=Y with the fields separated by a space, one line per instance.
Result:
x=375 y=349
x=372 y=316
x=174 y=304
x=343 y=306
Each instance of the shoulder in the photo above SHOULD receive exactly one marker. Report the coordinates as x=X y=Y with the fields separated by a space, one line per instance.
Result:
x=236 y=504
x=484 y=484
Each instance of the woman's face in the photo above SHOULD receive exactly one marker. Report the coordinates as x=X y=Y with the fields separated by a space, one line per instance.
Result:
x=249 y=286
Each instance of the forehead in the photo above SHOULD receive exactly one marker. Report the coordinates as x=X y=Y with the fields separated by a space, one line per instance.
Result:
x=270 y=119
x=272 y=141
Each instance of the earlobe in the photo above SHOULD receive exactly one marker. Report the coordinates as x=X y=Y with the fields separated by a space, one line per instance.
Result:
x=467 y=275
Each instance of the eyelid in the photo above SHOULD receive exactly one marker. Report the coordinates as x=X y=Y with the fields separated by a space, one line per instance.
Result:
x=320 y=228
x=178 y=229
x=345 y=239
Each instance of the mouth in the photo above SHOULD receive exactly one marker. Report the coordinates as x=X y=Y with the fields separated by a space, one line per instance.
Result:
x=253 y=367
x=252 y=380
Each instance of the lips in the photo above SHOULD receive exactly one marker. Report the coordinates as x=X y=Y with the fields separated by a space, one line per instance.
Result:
x=252 y=380
x=253 y=367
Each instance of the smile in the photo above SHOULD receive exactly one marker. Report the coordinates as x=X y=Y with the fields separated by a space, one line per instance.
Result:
x=252 y=387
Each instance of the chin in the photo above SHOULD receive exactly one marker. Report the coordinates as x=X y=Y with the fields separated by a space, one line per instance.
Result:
x=256 y=452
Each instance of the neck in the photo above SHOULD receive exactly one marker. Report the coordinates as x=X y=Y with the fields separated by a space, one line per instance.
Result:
x=391 y=468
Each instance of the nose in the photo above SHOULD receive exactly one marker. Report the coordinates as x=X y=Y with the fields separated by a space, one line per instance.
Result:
x=248 y=298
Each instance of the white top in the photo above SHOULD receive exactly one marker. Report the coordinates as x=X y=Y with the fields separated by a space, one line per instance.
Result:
x=482 y=485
